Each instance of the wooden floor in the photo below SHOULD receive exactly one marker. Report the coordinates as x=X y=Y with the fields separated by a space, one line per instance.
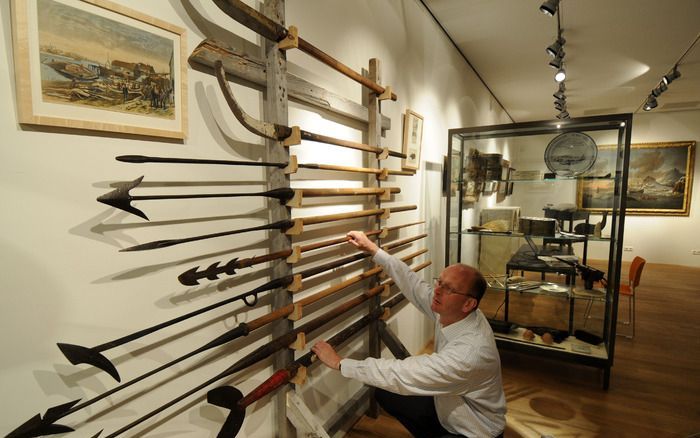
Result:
x=654 y=388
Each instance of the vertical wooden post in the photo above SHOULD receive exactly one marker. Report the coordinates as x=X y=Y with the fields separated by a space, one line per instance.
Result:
x=374 y=132
x=275 y=110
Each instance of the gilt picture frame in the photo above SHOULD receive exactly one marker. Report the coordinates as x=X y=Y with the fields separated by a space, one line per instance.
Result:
x=97 y=65
x=412 y=140
x=659 y=184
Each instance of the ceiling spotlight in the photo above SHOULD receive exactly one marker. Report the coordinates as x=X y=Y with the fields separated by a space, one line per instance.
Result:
x=554 y=48
x=560 y=75
x=660 y=89
x=560 y=93
x=675 y=74
x=556 y=62
x=650 y=103
x=549 y=7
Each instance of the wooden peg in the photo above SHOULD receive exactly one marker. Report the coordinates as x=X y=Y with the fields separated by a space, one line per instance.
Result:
x=383 y=155
x=300 y=377
x=384 y=175
x=385 y=293
x=386 y=214
x=294 y=138
x=292 y=166
x=386 y=94
x=291 y=41
x=296 y=229
x=295 y=202
x=386 y=195
x=296 y=284
x=299 y=343
x=296 y=313
x=295 y=256
x=386 y=315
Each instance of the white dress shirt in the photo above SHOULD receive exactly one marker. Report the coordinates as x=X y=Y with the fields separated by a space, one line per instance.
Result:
x=463 y=374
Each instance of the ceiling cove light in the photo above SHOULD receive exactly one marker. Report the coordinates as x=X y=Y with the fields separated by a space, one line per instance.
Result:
x=549 y=7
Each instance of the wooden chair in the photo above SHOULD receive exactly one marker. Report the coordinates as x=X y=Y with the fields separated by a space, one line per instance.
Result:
x=629 y=291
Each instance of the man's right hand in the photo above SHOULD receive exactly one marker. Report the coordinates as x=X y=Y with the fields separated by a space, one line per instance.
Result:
x=362 y=242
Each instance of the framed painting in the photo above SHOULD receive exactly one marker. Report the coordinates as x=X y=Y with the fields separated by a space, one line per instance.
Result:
x=412 y=139
x=660 y=180
x=97 y=65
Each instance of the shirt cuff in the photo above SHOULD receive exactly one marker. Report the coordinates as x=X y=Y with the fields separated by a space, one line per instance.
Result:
x=381 y=257
x=347 y=367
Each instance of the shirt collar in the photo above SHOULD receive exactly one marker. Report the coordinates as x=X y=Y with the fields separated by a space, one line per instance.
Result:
x=455 y=329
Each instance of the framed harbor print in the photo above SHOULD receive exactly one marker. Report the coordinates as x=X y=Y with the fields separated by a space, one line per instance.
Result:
x=412 y=138
x=660 y=180
x=96 y=65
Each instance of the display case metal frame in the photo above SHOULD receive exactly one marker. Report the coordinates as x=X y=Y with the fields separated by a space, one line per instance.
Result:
x=619 y=124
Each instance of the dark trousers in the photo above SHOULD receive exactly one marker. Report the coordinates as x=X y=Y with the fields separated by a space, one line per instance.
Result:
x=416 y=413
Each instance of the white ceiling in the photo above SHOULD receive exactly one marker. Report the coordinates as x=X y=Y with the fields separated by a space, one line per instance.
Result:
x=616 y=52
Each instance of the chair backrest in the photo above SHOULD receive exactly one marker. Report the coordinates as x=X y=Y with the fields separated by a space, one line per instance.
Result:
x=636 y=271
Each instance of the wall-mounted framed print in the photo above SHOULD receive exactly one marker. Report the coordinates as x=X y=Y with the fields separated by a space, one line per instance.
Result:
x=97 y=65
x=660 y=180
x=412 y=139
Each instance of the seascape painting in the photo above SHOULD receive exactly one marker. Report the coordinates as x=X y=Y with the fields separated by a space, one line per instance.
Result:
x=94 y=64
x=659 y=183
x=90 y=60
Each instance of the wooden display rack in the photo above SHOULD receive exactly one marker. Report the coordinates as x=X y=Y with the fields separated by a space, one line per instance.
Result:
x=271 y=73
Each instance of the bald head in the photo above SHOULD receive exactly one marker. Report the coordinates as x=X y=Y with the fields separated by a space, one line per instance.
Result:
x=469 y=280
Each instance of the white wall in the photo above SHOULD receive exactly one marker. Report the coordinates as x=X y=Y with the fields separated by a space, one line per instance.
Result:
x=670 y=239
x=64 y=280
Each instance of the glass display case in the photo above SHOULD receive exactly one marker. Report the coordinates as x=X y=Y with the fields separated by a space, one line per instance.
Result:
x=538 y=208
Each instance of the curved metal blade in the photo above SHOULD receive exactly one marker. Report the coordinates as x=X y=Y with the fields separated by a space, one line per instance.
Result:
x=77 y=354
x=272 y=131
x=121 y=199
x=228 y=397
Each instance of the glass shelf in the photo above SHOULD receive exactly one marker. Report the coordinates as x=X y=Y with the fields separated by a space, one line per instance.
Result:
x=544 y=180
x=534 y=287
x=572 y=239
x=570 y=345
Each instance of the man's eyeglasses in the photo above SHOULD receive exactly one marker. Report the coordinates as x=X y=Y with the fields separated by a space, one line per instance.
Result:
x=449 y=289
